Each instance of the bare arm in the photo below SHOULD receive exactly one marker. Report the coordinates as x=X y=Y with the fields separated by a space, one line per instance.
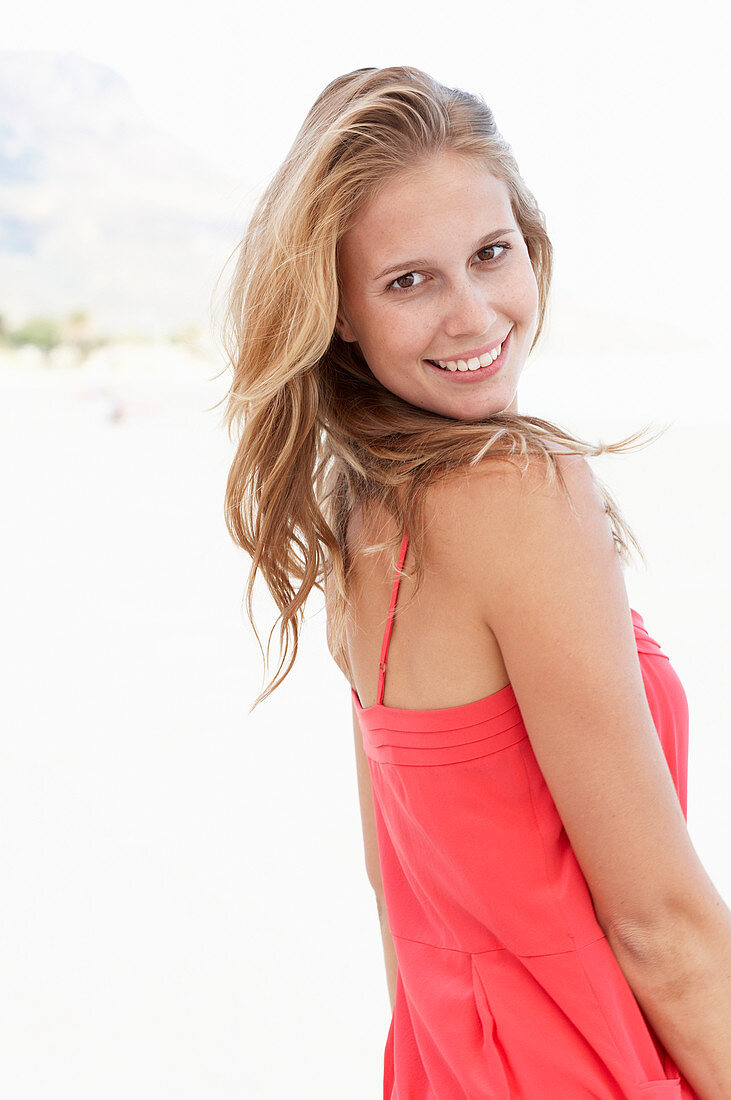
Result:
x=683 y=986
x=389 y=952
x=554 y=595
x=373 y=863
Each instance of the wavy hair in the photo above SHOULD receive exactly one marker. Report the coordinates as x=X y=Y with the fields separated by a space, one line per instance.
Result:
x=315 y=431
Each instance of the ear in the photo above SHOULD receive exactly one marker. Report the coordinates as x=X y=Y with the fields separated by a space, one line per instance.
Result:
x=344 y=330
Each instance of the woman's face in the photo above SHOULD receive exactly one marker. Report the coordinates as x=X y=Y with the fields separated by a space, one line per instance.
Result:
x=435 y=268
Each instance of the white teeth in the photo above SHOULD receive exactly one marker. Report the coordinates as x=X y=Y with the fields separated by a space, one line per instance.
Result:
x=470 y=364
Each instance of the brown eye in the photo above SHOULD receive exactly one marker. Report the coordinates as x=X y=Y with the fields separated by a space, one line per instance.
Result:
x=407 y=275
x=491 y=248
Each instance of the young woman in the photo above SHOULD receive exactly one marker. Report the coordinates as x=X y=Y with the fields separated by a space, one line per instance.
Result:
x=521 y=739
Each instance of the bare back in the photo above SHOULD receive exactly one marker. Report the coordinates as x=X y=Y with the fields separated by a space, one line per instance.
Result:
x=442 y=653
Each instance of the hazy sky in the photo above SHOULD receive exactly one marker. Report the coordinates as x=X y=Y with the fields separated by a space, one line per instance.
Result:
x=616 y=112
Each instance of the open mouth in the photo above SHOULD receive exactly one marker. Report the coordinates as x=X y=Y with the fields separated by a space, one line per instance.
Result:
x=464 y=375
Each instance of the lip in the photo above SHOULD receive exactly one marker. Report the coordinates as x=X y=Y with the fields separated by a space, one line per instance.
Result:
x=472 y=354
x=464 y=377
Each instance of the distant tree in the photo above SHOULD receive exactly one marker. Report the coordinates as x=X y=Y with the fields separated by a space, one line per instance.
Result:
x=42 y=331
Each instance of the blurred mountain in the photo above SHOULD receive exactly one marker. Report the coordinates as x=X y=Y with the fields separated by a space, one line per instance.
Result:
x=104 y=216
x=99 y=211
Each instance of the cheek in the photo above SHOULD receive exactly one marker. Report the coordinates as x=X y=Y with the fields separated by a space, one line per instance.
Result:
x=398 y=330
x=531 y=291
x=524 y=294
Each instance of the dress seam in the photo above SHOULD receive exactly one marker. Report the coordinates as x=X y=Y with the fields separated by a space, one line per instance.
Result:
x=488 y=950
x=438 y=748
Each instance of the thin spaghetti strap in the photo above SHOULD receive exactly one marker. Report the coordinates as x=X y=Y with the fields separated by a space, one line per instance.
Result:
x=389 y=619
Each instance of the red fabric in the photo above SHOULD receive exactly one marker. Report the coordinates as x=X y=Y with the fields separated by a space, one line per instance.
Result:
x=507 y=987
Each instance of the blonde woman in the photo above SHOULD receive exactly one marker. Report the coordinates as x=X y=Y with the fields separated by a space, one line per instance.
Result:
x=521 y=739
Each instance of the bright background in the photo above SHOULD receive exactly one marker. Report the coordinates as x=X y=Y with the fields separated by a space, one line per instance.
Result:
x=186 y=911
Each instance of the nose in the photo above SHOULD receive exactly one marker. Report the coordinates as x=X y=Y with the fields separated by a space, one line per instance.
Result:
x=468 y=310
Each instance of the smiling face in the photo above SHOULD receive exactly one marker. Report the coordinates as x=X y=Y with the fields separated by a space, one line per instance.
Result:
x=435 y=268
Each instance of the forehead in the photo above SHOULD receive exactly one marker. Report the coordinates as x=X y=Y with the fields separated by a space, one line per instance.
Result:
x=437 y=202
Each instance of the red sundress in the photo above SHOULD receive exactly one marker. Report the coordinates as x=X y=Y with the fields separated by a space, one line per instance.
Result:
x=507 y=987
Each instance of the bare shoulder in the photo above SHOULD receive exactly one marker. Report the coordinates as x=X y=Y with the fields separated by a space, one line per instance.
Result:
x=504 y=501
x=542 y=566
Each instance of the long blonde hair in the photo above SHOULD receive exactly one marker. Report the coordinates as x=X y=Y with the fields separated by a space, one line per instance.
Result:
x=315 y=430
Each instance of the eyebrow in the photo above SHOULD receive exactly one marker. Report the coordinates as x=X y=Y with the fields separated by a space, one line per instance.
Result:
x=408 y=265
